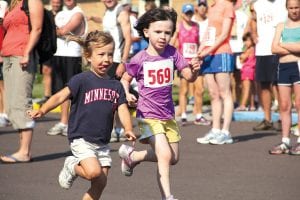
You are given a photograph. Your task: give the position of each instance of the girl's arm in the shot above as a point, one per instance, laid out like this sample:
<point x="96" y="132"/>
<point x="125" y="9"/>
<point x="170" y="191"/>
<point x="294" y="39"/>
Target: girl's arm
<point x="245" y="55"/>
<point x="191" y="72"/>
<point x="126" y="80"/>
<point x="291" y="47"/>
<point x="226" y="29"/>
<point x="125" y="119"/>
<point x="276" y="45"/>
<point x="52" y="103"/>
<point x="36" y="13"/>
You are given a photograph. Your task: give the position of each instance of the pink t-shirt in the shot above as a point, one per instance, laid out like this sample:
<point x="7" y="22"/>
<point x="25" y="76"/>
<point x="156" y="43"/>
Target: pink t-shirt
<point x="17" y="32"/>
<point x="217" y="12"/>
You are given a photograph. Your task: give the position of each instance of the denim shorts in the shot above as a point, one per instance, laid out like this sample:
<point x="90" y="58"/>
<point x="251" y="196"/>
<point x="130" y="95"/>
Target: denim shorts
<point x="219" y="63"/>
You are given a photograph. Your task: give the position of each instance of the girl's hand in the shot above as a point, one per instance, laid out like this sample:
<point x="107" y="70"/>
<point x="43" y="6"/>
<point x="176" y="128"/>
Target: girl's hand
<point x="33" y="114"/>
<point x="132" y="101"/>
<point x="130" y="135"/>
<point x="195" y="64"/>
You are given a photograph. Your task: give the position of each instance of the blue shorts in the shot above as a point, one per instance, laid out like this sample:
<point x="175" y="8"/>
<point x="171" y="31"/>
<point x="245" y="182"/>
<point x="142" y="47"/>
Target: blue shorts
<point x="288" y="73"/>
<point x="217" y="64"/>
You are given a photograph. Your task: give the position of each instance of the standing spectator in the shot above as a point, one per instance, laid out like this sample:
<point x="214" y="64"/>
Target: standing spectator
<point x="286" y="44"/>
<point x="46" y="68"/>
<point x="3" y="116"/>
<point x="187" y="39"/>
<point x="247" y="58"/>
<point x="19" y="67"/>
<point x="217" y="66"/>
<point x="67" y="60"/>
<point x="268" y="14"/>
<point x="116" y="22"/>
<point x="91" y="118"/>
<point x="153" y="69"/>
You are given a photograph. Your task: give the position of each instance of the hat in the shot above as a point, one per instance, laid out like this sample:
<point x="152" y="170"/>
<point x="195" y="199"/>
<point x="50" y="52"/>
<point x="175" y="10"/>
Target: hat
<point x="187" y="8"/>
<point x="202" y="2"/>
<point x="134" y="9"/>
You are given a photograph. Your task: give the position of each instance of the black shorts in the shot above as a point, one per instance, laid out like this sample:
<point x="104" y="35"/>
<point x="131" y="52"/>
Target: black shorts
<point x="1" y="71"/>
<point x="63" y="69"/>
<point x="288" y="73"/>
<point x="266" y="68"/>
<point x="49" y="64"/>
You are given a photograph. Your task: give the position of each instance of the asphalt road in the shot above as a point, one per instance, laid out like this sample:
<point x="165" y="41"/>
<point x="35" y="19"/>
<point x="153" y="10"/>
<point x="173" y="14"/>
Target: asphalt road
<point x="240" y="171"/>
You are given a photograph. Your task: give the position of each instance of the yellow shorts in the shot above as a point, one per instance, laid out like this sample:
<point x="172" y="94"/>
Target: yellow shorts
<point x="151" y="127"/>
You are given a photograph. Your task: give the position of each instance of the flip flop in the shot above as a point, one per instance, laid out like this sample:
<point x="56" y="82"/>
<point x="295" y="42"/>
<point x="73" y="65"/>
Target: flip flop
<point x="14" y="160"/>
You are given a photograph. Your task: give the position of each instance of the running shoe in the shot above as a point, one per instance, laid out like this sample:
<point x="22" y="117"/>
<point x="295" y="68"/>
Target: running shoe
<point x="221" y="138"/>
<point x="67" y="174"/>
<point x="128" y="164"/>
<point x="295" y="150"/>
<point x="58" y="129"/>
<point x="281" y="148"/>
<point x="202" y="121"/>
<point x="208" y="136"/>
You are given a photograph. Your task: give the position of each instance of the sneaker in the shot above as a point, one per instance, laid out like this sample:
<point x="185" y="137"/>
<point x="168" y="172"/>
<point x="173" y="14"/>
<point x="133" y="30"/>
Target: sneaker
<point x="281" y="148"/>
<point x="183" y="121"/>
<point x="117" y="135"/>
<point x="58" y="129"/>
<point x="295" y="150"/>
<point x="171" y="197"/>
<point x="295" y="130"/>
<point x="127" y="163"/>
<point x="221" y="138"/>
<point x="263" y="126"/>
<point x="202" y="121"/>
<point x="208" y="136"/>
<point x="67" y="174"/>
<point x="3" y="122"/>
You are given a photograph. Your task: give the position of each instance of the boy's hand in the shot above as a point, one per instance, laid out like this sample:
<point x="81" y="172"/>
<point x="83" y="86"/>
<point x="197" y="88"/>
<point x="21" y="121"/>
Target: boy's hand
<point x="130" y="135"/>
<point x="33" y="114"/>
<point x="132" y="101"/>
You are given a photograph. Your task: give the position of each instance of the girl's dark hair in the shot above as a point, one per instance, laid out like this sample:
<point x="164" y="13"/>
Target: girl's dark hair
<point x="248" y="35"/>
<point x="93" y="39"/>
<point x="156" y="14"/>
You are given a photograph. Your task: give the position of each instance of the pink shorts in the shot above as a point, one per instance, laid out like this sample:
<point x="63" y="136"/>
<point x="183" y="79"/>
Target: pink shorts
<point x="247" y="74"/>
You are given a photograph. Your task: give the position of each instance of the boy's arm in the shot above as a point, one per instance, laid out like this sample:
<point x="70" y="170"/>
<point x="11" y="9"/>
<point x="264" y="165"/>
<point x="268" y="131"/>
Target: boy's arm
<point x="125" y="119"/>
<point x="52" y="103"/>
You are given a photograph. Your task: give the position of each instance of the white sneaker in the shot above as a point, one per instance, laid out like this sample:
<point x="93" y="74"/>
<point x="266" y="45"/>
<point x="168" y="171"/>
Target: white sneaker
<point x="67" y="174"/>
<point x="208" y="136"/>
<point x="3" y="122"/>
<point x="294" y="130"/>
<point x="127" y="163"/>
<point x="222" y="138"/>
<point x="58" y="129"/>
<point x="171" y="197"/>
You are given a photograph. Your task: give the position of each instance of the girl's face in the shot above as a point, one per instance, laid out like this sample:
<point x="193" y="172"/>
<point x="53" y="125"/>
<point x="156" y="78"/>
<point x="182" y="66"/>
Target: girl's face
<point x="101" y="59"/>
<point x="293" y="7"/>
<point x="159" y="34"/>
<point x="248" y="42"/>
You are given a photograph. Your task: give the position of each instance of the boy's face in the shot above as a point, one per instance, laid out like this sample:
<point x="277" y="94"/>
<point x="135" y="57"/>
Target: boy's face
<point x="159" y="34"/>
<point x="101" y="59"/>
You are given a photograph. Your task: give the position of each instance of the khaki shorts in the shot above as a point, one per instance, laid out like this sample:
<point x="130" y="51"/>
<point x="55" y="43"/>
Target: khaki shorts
<point x="82" y="149"/>
<point x="18" y="85"/>
<point x="151" y="127"/>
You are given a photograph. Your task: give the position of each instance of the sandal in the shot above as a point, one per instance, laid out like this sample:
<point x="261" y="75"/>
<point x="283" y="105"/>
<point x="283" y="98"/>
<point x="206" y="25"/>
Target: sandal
<point x="295" y="150"/>
<point x="281" y="148"/>
<point x="241" y="108"/>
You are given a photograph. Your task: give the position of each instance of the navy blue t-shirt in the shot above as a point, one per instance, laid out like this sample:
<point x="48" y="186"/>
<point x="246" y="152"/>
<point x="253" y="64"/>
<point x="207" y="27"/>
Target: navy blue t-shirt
<point x="94" y="101"/>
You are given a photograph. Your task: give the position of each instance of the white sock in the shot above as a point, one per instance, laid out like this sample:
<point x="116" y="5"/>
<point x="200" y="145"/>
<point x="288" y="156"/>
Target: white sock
<point x="215" y="130"/>
<point x="298" y="140"/>
<point x="286" y="140"/>
<point x="199" y="115"/>
<point x="225" y="131"/>
<point x="183" y="115"/>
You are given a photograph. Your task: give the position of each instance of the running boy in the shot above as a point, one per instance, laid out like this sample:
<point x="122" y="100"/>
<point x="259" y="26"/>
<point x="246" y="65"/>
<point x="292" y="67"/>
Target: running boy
<point x="94" y="100"/>
<point x="153" y="69"/>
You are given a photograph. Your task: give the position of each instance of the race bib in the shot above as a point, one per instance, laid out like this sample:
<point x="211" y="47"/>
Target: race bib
<point x="158" y="73"/>
<point x="210" y="36"/>
<point x="189" y="50"/>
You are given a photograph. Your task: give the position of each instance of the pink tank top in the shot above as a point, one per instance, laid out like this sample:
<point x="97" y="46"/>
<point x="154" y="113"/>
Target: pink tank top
<point x="17" y="32"/>
<point x="188" y="40"/>
<point x="250" y="62"/>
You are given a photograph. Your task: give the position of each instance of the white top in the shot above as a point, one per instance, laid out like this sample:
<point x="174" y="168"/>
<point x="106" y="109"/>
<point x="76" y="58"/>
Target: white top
<point x="3" y="7"/>
<point x="236" y="44"/>
<point x="70" y="48"/>
<point x="202" y="27"/>
<point x="111" y="25"/>
<point x="268" y="16"/>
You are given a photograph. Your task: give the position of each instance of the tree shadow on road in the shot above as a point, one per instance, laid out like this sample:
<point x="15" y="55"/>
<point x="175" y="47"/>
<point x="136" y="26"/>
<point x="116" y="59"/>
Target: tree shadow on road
<point x="253" y="136"/>
<point x="52" y="156"/>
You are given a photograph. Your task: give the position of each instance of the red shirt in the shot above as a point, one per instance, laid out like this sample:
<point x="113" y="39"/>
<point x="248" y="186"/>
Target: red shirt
<point x="17" y="32"/>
